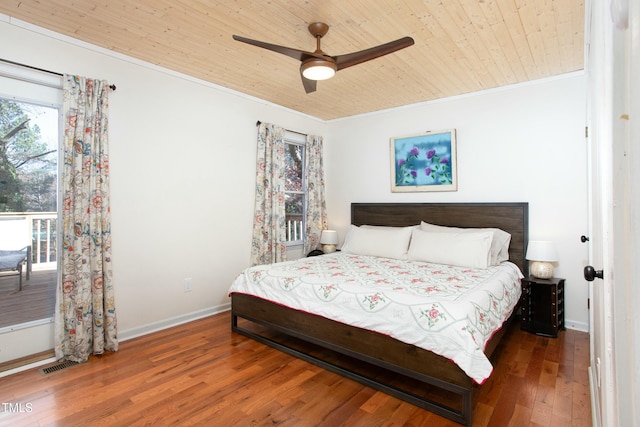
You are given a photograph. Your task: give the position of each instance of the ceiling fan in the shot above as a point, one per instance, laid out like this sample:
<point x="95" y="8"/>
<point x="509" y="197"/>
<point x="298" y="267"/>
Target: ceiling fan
<point x="318" y="65"/>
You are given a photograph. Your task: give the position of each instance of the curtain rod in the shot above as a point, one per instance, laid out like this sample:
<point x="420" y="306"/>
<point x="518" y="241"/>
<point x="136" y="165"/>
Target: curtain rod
<point x="112" y="87"/>
<point x="258" y="123"/>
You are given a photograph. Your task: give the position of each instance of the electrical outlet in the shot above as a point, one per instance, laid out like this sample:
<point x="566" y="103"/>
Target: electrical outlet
<point x="187" y="284"/>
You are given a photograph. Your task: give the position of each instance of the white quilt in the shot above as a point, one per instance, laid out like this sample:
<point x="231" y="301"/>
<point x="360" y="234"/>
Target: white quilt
<point x="451" y="311"/>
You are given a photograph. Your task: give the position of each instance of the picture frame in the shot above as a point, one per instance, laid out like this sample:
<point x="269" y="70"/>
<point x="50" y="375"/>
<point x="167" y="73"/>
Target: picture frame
<point x="424" y="162"/>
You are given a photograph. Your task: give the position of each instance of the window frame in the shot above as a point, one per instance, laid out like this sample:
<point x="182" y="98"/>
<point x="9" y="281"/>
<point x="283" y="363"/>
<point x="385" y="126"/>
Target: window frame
<point x="22" y="84"/>
<point x="299" y="139"/>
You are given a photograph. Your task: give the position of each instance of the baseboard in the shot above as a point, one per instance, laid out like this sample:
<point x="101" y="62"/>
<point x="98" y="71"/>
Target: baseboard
<point x="593" y="392"/>
<point x="27" y="367"/>
<point x="170" y="322"/>
<point x="576" y="326"/>
<point x="27" y="362"/>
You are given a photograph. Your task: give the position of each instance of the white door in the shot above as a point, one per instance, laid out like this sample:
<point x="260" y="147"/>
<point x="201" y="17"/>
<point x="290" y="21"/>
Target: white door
<point x="612" y="208"/>
<point x="600" y="194"/>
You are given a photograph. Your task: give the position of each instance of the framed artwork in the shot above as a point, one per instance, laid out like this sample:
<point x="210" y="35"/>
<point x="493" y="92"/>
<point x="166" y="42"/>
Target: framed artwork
<point x="425" y="162"/>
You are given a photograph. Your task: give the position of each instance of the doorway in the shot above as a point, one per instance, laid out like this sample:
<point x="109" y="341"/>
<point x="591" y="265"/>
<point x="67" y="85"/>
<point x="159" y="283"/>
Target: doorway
<point x="30" y="129"/>
<point x="613" y="61"/>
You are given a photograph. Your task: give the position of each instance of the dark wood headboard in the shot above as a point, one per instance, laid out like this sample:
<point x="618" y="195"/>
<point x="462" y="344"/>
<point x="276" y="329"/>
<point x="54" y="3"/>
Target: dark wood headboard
<point x="510" y="217"/>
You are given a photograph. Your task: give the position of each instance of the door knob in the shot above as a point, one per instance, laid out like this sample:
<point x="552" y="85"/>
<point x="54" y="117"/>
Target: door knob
<point x="591" y="273"/>
<point x="584" y="239"/>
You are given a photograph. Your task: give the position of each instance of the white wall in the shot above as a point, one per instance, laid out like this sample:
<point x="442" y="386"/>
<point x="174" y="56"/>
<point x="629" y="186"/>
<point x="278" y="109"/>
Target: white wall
<point x="518" y="144"/>
<point x="182" y="176"/>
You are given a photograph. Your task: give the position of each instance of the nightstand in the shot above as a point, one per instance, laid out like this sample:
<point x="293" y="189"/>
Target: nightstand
<point x="317" y="252"/>
<point x="542" y="305"/>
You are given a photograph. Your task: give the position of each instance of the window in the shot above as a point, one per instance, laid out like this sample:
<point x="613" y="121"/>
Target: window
<point x="295" y="186"/>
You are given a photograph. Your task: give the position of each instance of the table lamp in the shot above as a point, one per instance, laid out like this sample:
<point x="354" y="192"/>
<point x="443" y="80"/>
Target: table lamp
<point x="541" y="254"/>
<point x="328" y="240"/>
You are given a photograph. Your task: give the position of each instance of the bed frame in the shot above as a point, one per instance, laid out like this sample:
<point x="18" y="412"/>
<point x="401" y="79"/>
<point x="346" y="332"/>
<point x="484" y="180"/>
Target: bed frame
<point x="264" y="321"/>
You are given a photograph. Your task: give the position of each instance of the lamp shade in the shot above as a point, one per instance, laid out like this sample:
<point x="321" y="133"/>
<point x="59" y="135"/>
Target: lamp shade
<point x="541" y="250"/>
<point x="318" y="69"/>
<point x="329" y="237"/>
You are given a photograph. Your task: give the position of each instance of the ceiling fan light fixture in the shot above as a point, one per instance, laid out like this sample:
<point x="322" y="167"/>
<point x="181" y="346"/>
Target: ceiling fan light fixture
<point x="318" y="69"/>
<point x="317" y="65"/>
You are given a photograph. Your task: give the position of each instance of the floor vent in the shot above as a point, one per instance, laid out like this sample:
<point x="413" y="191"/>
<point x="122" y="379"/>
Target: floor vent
<point x="58" y="367"/>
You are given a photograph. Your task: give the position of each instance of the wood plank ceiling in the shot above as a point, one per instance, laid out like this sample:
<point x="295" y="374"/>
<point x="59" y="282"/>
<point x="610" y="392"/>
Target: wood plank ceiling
<point x="461" y="46"/>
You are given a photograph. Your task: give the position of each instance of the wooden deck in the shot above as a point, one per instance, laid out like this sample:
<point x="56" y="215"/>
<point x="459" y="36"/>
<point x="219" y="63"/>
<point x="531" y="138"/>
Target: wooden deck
<point x="35" y="301"/>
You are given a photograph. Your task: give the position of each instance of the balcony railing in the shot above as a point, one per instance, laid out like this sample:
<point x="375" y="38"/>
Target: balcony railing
<point x="294" y="228"/>
<point x="41" y="232"/>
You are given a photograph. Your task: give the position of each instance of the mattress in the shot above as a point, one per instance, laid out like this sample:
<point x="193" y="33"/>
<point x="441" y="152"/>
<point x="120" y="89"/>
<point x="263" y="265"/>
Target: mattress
<point x="451" y="311"/>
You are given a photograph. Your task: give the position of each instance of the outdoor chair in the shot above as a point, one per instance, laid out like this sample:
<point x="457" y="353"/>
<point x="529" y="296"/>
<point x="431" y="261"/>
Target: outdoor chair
<point x="14" y="254"/>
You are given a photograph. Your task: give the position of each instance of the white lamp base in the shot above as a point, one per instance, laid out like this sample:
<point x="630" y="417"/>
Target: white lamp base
<point x="327" y="249"/>
<point x="541" y="269"/>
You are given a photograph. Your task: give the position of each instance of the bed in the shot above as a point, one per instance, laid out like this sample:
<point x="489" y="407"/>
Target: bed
<point x="382" y="360"/>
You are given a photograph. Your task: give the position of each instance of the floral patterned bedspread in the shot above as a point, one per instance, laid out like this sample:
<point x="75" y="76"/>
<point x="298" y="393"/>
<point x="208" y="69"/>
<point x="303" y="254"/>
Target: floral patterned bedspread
<point x="451" y="311"/>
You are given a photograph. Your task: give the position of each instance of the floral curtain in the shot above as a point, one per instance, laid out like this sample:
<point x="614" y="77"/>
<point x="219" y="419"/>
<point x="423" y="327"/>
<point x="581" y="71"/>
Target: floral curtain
<point x="85" y="316"/>
<point x="269" y="233"/>
<point x="316" y="218"/>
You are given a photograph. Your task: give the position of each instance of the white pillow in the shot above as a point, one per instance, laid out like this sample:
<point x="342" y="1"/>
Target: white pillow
<point x="499" y="244"/>
<point x="463" y="249"/>
<point x="387" y="242"/>
<point x="387" y="227"/>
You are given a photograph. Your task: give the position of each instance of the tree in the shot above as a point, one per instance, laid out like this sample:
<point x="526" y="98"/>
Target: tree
<point x="294" y="191"/>
<point x="27" y="166"/>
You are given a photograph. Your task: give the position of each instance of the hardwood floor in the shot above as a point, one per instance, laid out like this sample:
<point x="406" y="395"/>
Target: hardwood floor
<point x="34" y="302"/>
<point x="201" y="373"/>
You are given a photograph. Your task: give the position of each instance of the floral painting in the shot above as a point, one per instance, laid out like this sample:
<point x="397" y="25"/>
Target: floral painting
<point x="425" y="162"/>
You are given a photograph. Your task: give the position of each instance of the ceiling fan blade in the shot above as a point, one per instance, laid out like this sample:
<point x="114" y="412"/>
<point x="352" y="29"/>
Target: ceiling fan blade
<point x="298" y="54"/>
<point x="309" y="85"/>
<point x="350" y="59"/>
